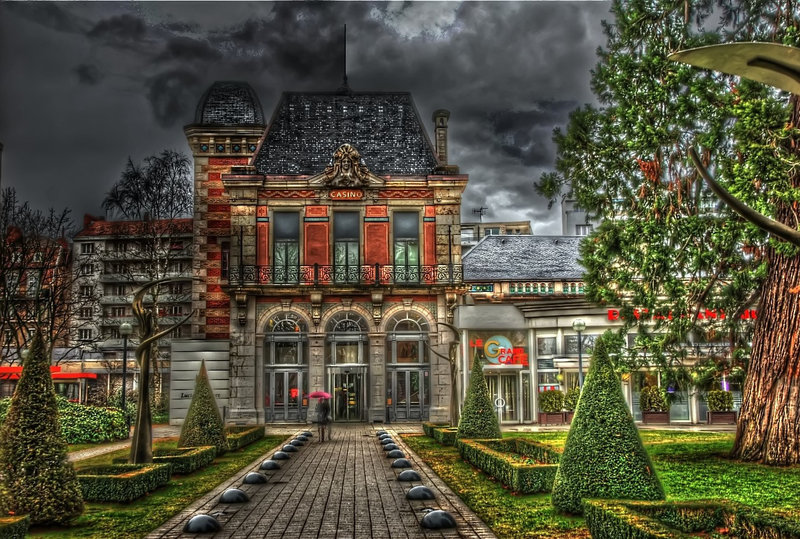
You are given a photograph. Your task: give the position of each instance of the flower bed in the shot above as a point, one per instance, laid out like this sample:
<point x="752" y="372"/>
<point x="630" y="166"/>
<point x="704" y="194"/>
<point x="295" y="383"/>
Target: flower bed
<point x="185" y="460"/>
<point x="623" y="518"/>
<point x="122" y="482"/>
<point x="520" y="465"/>
<point x="14" y="527"/>
<point x="238" y="437"/>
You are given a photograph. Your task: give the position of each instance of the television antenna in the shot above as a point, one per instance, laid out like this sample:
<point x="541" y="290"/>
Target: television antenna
<point x="480" y="211"/>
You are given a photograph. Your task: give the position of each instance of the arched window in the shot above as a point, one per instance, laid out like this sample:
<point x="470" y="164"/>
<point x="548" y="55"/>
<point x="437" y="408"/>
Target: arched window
<point x="285" y="340"/>
<point x="408" y="337"/>
<point x="347" y="335"/>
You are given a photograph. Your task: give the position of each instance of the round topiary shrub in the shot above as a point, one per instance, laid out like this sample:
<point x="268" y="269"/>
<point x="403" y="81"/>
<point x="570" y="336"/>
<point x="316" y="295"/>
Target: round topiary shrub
<point x="719" y="400"/>
<point x="653" y="399"/>
<point x="478" y="417"/>
<point x="551" y="401"/>
<point x="571" y="399"/>
<point x="603" y="456"/>
<point x="203" y="424"/>
<point x="35" y="476"/>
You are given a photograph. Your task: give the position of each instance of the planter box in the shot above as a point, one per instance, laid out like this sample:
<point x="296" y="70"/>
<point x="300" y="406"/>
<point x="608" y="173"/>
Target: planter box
<point x="721" y="418"/>
<point x="551" y="418"/>
<point x="122" y="483"/>
<point x="501" y="459"/>
<point x="655" y="418"/>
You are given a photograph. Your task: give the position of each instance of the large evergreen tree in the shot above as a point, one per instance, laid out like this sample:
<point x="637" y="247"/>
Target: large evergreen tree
<point x="35" y="476"/>
<point x="203" y="424"/>
<point x="669" y="252"/>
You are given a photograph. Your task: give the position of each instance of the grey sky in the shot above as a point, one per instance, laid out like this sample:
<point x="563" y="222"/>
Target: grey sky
<point x="85" y="85"/>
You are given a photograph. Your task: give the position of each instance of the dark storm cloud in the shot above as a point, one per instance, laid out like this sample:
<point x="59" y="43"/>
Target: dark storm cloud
<point x="88" y="74"/>
<point x="526" y="134"/>
<point x="50" y="15"/>
<point x="187" y="49"/>
<point x="119" y="31"/>
<point x="173" y="96"/>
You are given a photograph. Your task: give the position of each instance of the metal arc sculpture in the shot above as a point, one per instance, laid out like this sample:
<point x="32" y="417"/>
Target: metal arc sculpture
<point x="769" y="63"/>
<point x="142" y="442"/>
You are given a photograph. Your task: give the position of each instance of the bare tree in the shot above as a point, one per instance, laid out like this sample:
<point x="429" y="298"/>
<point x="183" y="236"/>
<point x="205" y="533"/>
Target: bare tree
<point x="154" y="202"/>
<point x="35" y="278"/>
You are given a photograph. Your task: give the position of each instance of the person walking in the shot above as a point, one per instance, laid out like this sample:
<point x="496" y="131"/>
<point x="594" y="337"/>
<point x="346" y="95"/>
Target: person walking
<point x="324" y="418"/>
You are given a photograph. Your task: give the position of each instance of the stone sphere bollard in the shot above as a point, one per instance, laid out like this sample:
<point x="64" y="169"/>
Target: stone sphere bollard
<point x="280" y="455"/>
<point x="234" y="495"/>
<point x="409" y="475"/>
<point x="270" y="464"/>
<point x="254" y="478"/>
<point x="202" y="524"/>
<point x="438" y="520"/>
<point x="420" y="493"/>
<point x="395" y="454"/>
<point x="401" y="463"/>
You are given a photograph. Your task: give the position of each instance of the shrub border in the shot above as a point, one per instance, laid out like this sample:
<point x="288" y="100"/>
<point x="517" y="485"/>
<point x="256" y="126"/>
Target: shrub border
<point x="185" y="460"/>
<point x="14" y="527"/>
<point x="130" y="481"/>
<point x="522" y="478"/>
<point x="656" y="520"/>
<point x="238" y="437"/>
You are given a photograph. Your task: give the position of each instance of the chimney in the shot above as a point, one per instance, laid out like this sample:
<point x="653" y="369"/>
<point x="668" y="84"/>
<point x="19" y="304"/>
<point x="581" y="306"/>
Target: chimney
<point x="440" y="118"/>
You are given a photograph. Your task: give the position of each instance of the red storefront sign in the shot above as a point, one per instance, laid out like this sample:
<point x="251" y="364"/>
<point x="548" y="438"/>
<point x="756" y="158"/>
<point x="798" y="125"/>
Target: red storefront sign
<point x="504" y="355"/>
<point x="705" y="314"/>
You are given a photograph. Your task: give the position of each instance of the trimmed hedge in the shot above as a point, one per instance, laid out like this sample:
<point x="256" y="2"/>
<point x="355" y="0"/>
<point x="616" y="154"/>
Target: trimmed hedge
<point x="238" y="437"/>
<point x="604" y="456"/>
<point x="81" y="424"/>
<point x="551" y="401"/>
<point x="427" y="427"/>
<point x="677" y="520"/>
<point x="492" y="456"/>
<point x="445" y="435"/>
<point x="122" y="482"/>
<point x="14" y="527"/>
<point x="185" y="460"/>
<point x="719" y="400"/>
<point x="653" y="399"/>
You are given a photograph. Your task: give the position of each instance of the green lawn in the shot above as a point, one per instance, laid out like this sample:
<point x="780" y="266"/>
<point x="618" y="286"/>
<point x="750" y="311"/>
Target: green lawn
<point x="691" y="465"/>
<point x="137" y="519"/>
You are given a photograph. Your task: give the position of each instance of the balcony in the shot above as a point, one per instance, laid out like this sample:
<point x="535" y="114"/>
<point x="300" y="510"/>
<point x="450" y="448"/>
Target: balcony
<point x="373" y="275"/>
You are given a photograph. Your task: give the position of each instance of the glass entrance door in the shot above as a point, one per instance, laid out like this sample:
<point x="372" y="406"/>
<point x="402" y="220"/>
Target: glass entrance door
<point x="287" y="395"/>
<point x="411" y="390"/>
<point x="504" y="391"/>
<point x="348" y="394"/>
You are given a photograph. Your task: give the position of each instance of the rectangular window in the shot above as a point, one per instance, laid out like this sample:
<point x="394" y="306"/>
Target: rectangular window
<point x="113" y="333"/>
<point x="287" y="247"/>
<point x="493" y="231"/>
<point x="117" y="312"/>
<point x="85" y="312"/>
<point x="406" y="247"/>
<point x="87" y="269"/>
<point x="225" y="259"/>
<point x="175" y="310"/>
<point x="118" y="290"/>
<point x="583" y="230"/>
<point x="84" y="334"/>
<point x="345" y="247"/>
<point x="86" y="291"/>
<point x="33" y="285"/>
<point x="87" y="248"/>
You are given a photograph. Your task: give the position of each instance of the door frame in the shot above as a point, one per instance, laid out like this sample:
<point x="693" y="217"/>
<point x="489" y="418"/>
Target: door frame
<point x="353" y="369"/>
<point x="269" y="384"/>
<point x="508" y="370"/>
<point x="424" y="397"/>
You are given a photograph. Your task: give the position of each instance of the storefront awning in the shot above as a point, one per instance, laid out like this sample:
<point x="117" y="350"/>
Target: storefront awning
<point x="489" y="317"/>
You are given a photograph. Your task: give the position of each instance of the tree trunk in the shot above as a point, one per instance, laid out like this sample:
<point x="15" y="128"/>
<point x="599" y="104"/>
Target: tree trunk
<point x="768" y="430"/>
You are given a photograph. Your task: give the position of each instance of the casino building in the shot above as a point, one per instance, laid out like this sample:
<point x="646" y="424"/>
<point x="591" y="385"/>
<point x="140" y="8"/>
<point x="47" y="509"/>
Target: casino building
<point x="326" y="255"/>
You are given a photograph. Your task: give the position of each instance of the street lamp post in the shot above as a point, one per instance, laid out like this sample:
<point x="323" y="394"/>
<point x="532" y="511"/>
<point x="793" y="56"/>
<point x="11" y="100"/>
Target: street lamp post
<point x="578" y="325"/>
<point x="125" y="329"/>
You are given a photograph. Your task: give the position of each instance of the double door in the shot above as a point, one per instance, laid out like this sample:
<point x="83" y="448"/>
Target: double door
<point x="348" y="391"/>
<point x="409" y="394"/>
<point x="504" y="393"/>
<point x="287" y="395"/>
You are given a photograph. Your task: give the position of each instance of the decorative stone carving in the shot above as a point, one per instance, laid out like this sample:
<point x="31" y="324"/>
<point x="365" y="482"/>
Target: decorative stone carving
<point x="377" y="307"/>
<point x="346" y="170"/>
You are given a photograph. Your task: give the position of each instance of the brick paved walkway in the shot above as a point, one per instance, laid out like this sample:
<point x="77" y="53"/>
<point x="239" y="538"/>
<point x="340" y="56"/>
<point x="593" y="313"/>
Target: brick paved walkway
<point x="343" y="488"/>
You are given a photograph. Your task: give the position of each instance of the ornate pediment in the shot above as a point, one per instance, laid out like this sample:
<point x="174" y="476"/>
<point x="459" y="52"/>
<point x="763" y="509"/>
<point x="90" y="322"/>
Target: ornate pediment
<point x="346" y="170"/>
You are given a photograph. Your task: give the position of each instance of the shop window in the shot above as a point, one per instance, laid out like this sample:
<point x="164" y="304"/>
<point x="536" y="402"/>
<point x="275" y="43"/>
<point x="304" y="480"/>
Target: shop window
<point x="347" y="335"/>
<point x="545" y="346"/>
<point x="287" y="247"/>
<point x="286" y="340"/>
<point x="407" y="336"/>
<point x="406" y="247"/>
<point x="346" y="247"/>
<point x="571" y="344"/>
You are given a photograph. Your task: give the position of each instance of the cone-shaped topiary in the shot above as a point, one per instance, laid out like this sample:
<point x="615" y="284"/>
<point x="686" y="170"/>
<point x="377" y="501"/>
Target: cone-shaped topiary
<point x="203" y="424"/>
<point x="603" y="456"/>
<point x="35" y="476"/>
<point x="478" y="418"/>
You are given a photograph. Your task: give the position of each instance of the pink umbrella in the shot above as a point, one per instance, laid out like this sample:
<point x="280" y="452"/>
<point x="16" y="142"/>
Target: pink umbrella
<point x="319" y="395"/>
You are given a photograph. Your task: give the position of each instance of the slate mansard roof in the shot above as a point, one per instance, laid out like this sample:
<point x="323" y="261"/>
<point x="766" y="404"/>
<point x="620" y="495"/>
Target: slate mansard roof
<point x="229" y="103"/>
<point x="524" y="258"/>
<point x="307" y="128"/>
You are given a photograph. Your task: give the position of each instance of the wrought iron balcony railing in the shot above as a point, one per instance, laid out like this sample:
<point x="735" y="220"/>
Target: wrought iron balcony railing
<point x="376" y="274"/>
